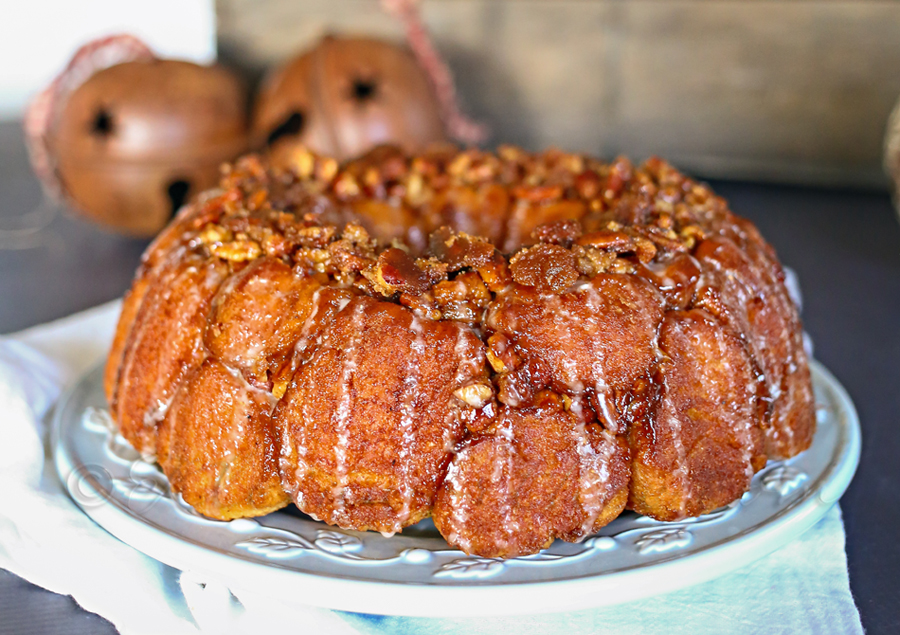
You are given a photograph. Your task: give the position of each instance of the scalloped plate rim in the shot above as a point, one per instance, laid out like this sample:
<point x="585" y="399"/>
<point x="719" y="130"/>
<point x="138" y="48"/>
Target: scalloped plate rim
<point x="486" y="598"/>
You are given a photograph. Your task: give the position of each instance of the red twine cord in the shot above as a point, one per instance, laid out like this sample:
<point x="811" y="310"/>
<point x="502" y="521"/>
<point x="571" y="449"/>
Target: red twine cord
<point x="458" y="125"/>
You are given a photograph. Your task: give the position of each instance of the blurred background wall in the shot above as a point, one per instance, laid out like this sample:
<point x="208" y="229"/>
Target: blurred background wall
<point x="37" y="37"/>
<point x="789" y="90"/>
<point x="793" y="90"/>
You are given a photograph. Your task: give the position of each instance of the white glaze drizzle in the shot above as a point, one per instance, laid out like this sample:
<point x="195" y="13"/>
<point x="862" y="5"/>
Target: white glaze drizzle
<point x="342" y="412"/>
<point x="458" y="513"/>
<point x="407" y="417"/>
<point x="249" y="357"/>
<point x="139" y="332"/>
<point x="510" y="525"/>
<point x="779" y="429"/>
<point x="295" y="442"/>
<point x="158" y="412"/>
<point x="563" y="331"/>
<point x="593" y="469"/>
<point x="745" y="423"/>
<point x="241" y="412"/>
<point x="790" y="367"/>
<point x="308" y="323"/>
<point x="289" y="443"/>
<point x="298" y="441"/>
<point x="460" y="352"/>
<point x="245" y="357"/>
<point x="594" y="472"/>
<point x="163" y="384"/>
<point x="240" y="408"/>
<point x="666" y="419"/>
<point x="601" y="387"/>
<point x="250" y="388"/>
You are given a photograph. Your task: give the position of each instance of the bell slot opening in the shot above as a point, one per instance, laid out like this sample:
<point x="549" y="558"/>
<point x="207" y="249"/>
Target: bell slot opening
<point x="178" y="192"/>
<point x="364" y="90"/>
<point x="291" y="126"/>
<point x="102" y="125"/>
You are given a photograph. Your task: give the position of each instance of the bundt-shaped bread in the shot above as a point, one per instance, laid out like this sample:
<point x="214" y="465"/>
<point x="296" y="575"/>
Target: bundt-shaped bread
<point x="517" y="345"/>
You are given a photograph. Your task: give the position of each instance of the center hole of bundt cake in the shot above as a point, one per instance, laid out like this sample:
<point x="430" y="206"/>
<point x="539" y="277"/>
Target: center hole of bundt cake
<point x="178" y="191"/>
<point x="291" y="126"/>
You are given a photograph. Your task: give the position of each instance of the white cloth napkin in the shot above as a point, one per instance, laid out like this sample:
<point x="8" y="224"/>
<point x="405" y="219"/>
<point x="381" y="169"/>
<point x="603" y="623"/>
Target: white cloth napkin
<point x="45" y="539"/>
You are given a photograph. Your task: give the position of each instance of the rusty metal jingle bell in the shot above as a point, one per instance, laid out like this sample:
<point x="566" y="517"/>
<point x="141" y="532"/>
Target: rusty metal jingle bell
<point x="345" y="96"/>
<point x="135" y="140"/>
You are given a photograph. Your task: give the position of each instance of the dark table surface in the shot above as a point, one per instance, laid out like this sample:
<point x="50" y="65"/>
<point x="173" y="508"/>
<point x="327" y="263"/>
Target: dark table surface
<point x="845" y="246"/>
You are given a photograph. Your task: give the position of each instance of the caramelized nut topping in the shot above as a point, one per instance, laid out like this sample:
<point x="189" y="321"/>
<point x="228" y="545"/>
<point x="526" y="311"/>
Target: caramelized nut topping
<point x="590" y="261"/>
<point x="460" y="250"/>
<point x="617" y="241"/>
<point x="548" y="268"/>
<point x="561" y="232"/>
<point x="237" y="251"/>
<point x="397" y="271"/>
<point x="475" y="395"/>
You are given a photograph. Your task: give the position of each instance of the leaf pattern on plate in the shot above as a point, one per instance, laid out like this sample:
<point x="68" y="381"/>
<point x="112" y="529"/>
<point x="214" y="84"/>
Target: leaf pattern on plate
<point x="337" y="542"/>
<point x="663" y="540"/>
<point x="783" y="479"/>
<point x="470" y="568"/>
<point x="276" y="546"/>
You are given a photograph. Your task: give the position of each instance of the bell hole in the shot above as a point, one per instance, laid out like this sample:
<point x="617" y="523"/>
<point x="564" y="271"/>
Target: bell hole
<point x="364" y="90"/>
<point x="178" y="191"/>
<point x="291" y="126"/>
<point x="103" y="123"/>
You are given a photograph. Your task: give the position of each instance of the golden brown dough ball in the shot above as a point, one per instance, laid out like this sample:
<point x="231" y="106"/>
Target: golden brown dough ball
<point x="369" y="422"/>
<point x="217" y="446"/>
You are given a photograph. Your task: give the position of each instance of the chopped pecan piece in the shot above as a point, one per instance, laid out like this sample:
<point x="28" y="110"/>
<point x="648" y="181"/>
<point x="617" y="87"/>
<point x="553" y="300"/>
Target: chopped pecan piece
<point x="590" y="261"/>
<point x="495" y="273"/>
<point x="237" y="250"/>
<point x="548" y="268"/>
<point x="355" y="251"/>
<point x="538" y="193"/>
<point x="475" y="395"/>
<point x="276" y="245"/>
<point x="644" y="249"/>
<point x="620" y="265"/>
<point x="520" y="387"/>
<point x="561" y="232"/>
<point x="501" y="354"/>
<point x="617" y="241"/>
<point x="396" y="271"/>
<point x="212" y="234"/>
<point x="423" y="305"/>
<point x="463" y="298"/>
<point x="460" y="250"/>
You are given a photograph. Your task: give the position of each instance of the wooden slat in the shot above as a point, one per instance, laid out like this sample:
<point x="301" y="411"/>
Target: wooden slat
<point x="772" y="90"/>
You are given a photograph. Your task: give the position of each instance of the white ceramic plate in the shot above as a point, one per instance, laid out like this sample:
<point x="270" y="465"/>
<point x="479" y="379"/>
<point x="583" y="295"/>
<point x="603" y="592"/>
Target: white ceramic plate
<point x="291" y="556"/>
